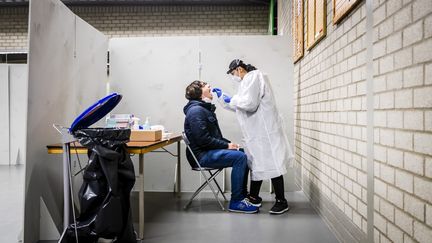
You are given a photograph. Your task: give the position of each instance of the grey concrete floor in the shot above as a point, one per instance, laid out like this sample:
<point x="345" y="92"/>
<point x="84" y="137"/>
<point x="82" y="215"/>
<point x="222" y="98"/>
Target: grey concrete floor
<point x="11" y="203"/>
<point x="167" y="221"/>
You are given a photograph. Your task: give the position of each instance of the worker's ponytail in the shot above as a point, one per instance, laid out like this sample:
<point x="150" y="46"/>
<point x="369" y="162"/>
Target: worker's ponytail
<point x="249" y="68"/>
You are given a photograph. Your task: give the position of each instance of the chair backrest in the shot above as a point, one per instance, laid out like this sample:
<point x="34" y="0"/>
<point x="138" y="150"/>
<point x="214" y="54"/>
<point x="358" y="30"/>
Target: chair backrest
<point x="185" y="139"/>
<point x="194" y="164"/>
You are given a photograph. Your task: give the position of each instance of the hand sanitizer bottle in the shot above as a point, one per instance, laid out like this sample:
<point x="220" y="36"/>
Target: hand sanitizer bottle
<point x="146" y="125"/>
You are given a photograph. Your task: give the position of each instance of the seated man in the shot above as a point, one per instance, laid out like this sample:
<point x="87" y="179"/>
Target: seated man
<point x="210" y="148"/>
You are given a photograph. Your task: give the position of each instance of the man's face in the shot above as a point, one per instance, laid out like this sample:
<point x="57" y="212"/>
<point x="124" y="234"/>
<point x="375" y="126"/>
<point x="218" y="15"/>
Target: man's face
<point x="206" y="92"/>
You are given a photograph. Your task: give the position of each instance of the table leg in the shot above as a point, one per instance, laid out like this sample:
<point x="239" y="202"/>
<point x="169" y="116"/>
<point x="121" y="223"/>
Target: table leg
<point x="141" y="196"/>
<point x="66" y="193"/>
<point x="178" y="182"/>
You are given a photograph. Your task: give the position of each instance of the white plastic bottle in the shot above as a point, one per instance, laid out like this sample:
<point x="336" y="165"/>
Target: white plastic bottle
<point x="146" y="125"/>
<point x="135" y="123"/>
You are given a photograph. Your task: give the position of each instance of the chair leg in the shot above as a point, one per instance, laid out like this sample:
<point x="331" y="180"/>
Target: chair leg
<point x="214" y="175"/>
<point x="217" y="184"/>
<point x="213" y="190"/>
<point x="195" y="194"/>
<point x="223" y="194"/>
<point x="212" y="178"/>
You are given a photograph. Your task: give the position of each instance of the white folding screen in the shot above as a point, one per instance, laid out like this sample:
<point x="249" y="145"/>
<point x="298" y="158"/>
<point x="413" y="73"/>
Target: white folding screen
<point x="4" y="115"/>
<point x="152" y="74"/>
<point x="270" y="54"/>
<point x="13" y="109"/>
<point x="18" y="112"/>
<point x="67" y="73"/>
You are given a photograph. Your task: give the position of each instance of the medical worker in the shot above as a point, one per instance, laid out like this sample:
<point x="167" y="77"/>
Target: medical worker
<point x="265" y="142"/>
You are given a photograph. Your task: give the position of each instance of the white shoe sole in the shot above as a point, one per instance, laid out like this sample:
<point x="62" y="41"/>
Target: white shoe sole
<point x="253" y="204"/>
<point x="256" y="205"/>
<point x="239" y="211"/>
<point x="280" y="212"/>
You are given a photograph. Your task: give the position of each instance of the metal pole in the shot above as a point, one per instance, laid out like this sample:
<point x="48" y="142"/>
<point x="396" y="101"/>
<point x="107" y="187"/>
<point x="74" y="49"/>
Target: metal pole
<point x="178" y="176"/>
<point x="71" y="194"/>
<point x="66" y="194"/>
<point x="271" y="17"/>
<point x="141" y="196"/>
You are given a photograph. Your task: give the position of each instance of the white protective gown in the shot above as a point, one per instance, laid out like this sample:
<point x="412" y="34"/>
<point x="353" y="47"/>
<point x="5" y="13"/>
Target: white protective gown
<point x="264" y="138"/>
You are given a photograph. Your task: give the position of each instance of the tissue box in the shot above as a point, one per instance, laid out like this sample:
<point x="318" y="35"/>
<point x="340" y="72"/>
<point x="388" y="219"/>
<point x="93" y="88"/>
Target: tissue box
<point x="145" y="135"/>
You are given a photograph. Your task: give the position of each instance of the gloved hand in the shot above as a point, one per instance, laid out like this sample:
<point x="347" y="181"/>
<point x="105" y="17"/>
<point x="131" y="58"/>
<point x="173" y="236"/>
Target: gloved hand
<point x="226" y="98"/>
<point x="217" y="91"/>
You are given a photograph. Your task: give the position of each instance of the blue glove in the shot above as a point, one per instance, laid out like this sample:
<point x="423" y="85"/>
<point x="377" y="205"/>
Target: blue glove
<point x="217" y="91"/>
<point x="226" y="98"/>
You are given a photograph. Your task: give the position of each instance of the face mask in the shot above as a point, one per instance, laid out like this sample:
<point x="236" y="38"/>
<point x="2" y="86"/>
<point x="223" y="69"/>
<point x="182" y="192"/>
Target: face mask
<point x="207" y="100"/>
<point x="236" y="78"/>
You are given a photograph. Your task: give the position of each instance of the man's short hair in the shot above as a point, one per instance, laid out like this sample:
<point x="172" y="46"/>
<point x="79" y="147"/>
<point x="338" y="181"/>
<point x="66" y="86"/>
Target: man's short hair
<point x="194" y="91"/>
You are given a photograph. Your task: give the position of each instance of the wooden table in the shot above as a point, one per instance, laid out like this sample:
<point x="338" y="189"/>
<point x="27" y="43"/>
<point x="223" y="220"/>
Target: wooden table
<point x="139" y="148"/>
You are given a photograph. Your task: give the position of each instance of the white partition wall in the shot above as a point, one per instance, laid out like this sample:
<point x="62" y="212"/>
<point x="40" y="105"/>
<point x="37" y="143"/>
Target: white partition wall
<point x="13" y="110"/>
<point x="152" y="74"/>
<point x="4" y="113"/>
<point x="67" y="73"/>
<point x="270" y="54"/>
<point x="18" y="112"/>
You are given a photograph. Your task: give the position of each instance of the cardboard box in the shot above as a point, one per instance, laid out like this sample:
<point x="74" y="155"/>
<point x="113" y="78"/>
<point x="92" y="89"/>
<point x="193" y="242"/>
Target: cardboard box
<point x="145" y="135"/>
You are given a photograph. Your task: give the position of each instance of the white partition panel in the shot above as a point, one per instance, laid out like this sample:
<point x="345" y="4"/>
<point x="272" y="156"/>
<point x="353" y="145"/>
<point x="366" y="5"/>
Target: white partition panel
<point x="4" y="114"/>
<point x="152" y="74"/>
<point x="90" y="74"/>
<point x="67" y="73"/>
<point x="18" y="112"/>
<point x="270" y="54"/>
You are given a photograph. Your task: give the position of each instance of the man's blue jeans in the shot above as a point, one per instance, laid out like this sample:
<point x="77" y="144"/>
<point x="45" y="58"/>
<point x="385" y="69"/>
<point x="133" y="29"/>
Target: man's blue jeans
<point x="223" y="158"/>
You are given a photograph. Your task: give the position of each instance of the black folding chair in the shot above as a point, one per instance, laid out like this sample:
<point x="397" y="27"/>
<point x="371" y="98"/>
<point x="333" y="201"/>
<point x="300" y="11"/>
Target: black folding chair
<point x="213" y="172"/>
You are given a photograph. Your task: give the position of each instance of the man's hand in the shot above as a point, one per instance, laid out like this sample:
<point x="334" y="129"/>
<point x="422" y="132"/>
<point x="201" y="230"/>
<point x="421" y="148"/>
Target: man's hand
<point x="233" y="146"/>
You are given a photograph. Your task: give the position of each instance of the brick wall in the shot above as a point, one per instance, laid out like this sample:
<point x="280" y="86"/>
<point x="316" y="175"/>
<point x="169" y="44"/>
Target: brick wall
<point x="117" y="21"/>
<point x="13" y="28"/>
<point x="331" y="121"/>
<point x="330" y="117"/>
<point x="403" y="120"/>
